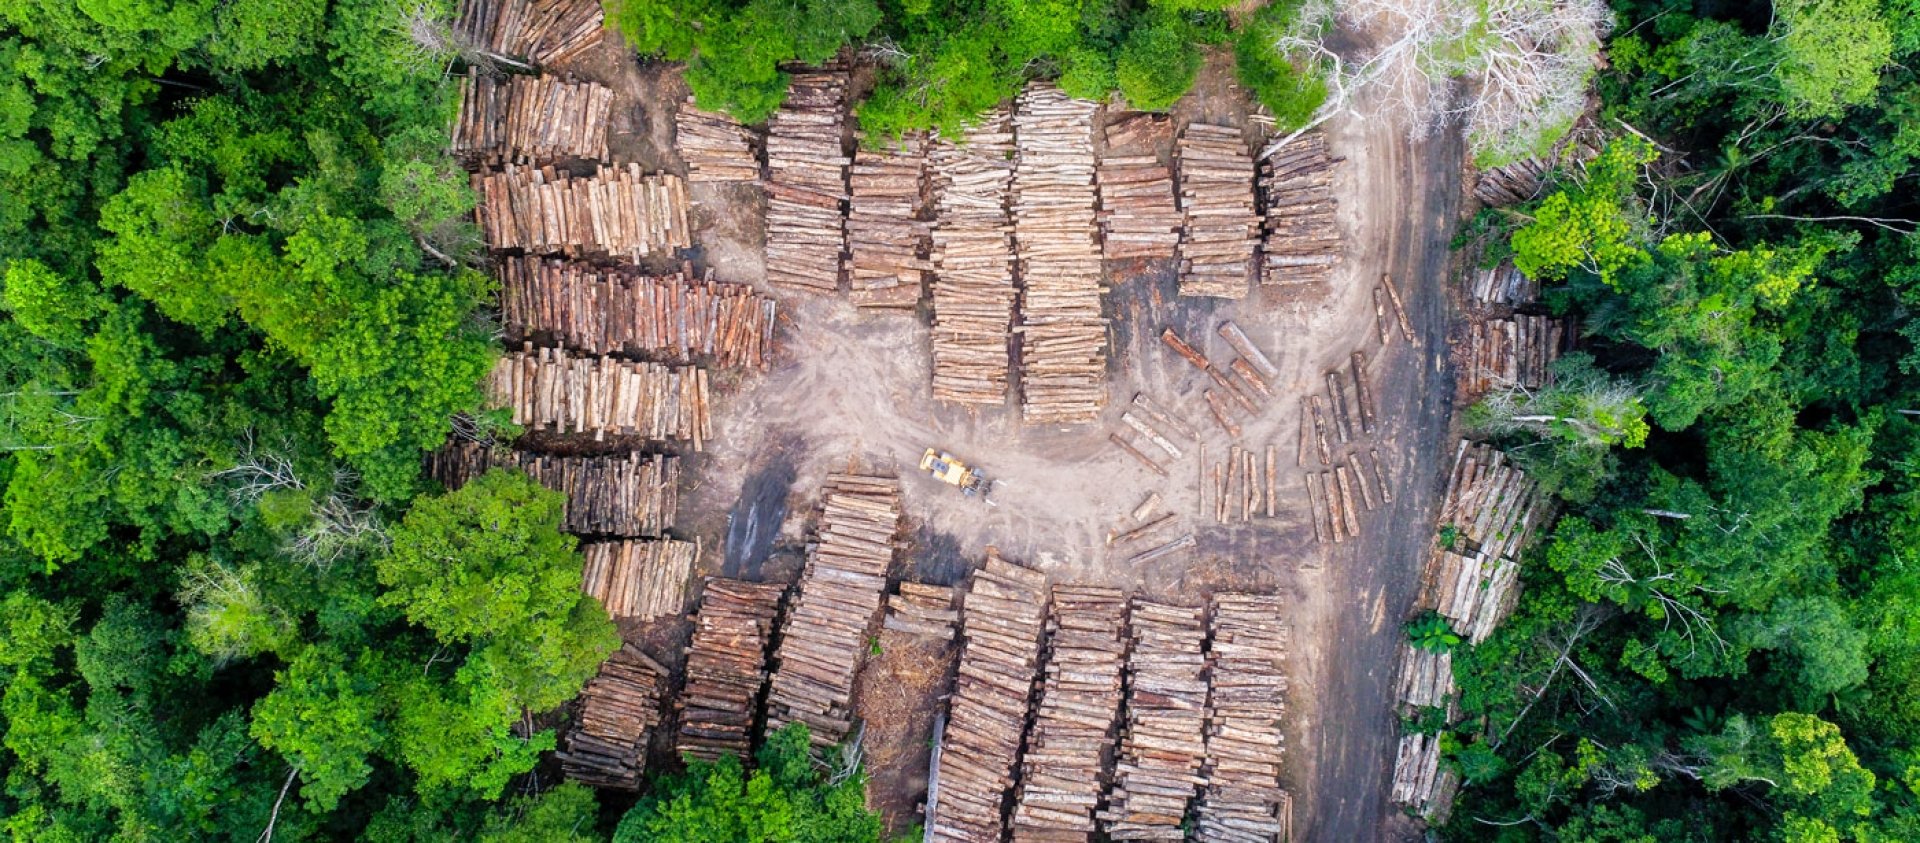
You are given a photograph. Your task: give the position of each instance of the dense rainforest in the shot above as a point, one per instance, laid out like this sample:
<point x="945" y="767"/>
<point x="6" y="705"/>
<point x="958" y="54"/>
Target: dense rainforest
<point x="242" y="296"/>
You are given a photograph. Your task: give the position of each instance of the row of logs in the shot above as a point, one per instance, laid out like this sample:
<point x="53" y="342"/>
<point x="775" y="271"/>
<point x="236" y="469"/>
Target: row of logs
<point x="630" y="496"/>
<point x="807" y="184"/>
<point x="726" y="667"/>
<point x="886" y="239"/>
<point x="1162" y="745"/>
<point x="607" y="744"/>
<point x="1242" y="801"/>
<point x="618" y="212"/>
<point x="1216" y="199"/>
<point x="824" y="636"/>
<point x="1302" y="242"/>
<point x="1001" y="625"/>
<point x="1061" y="776"/>
<point x="530" y="119"/>
<point x="639" y="580"/>
<point x="1063" y="336"/>
<point x="714" y="145"/>
<point x="1512" y="352"/>
<point x="1358" y="482"/>
<point x="1138" y="215"/>
<point x="973" y="290"/>
<point x="667" y="318"/>
<point x="540" y="32"/>
<point x="547" y="389"/>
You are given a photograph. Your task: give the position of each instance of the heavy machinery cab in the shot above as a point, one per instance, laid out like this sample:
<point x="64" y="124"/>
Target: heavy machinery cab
<point x="950" y="470"/>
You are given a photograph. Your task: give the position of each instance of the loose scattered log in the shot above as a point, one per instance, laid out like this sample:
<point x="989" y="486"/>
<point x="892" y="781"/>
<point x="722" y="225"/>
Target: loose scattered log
<point x="607" y="745"/>
<point x="530" y="120"/>
<point x="1004" y="610"/>
<point x="1303" y="242"/>
<point x="807" y="184"/>
<point x="726" y="667"/>
<point x="886" y="239"/>
<point x="1248" y="351"/>
<point x="1399" y="309"/>
<point x="1362" y="394"/>
<point x="666" y="318"/>
<point x="714" y="145"/>
<point x="631" y="495"/>
<point x="1246" y="703"/>
<point x="1217" y="238"/>
<point x="1519" y="351"/>
<point x="524" y="33"/>
<point x="824" y="638"/>
<point x="1067" y="746"/>
<point x="619" y="212"/>
<point x="1137" y="454"/>
<point x="1139" y="217"/>
<point x="1063" y="337"/>
<point x="639" y="580"/>
<point x="973" y="290"/>
<point x="548" y="390"/>
<point x="922" y="610"/>
<point x="1161" y="747"/>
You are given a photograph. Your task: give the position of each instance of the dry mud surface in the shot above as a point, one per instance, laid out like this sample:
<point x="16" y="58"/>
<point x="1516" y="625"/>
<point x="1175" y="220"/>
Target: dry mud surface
<point x="852" y="388"/>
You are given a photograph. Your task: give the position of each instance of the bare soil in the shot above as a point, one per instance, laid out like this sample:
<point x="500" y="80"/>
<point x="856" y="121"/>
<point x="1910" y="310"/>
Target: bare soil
<point x="852" y="389"/>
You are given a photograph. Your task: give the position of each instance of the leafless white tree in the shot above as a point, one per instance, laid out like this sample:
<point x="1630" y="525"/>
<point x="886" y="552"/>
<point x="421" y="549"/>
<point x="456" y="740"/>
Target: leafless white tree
<point x="1524" y="65"/>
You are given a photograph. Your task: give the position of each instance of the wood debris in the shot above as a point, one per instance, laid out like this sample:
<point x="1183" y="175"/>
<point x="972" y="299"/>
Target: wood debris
<point x="714" y="145"/>
<point x="1247" y="691"/>
<point x="886" y="239"/>
<point x="807" y="184"/>
<point x="823" y="640"/>
<point x="1161" y="747"/>
<point x="1138" y="214"/>
<point x="973" y="289"/>
<point x="1063" y="337"/>
<point x="1519" y="351"/>
<point x="1216" y="199"/>
<point x="629" y="496"/>
<point x="524" y="33"/>
<point x="549" y="390"/>
<point x="666" y="318"/>
<point x="1004" y="610"/>
<point x="619" y="212"/>
<point x="639" y="580"/>
<point x="726" y="667"/>
<point x="607" y="743"/>
<point x="1302" y="242"/>
<point x="1061" y="771"/>
<point x="530" y="120"/>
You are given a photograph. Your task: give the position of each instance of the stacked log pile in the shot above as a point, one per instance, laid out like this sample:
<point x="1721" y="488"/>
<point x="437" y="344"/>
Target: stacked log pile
<point x="1474" y="592"/>
<point x="639" y="580"/>
<point x="1063" y="337"/>
<point x="1303" y="241"/>
<point x="1492" y="505"/>
<point x="668" y="318"/>
<point x="825" y="632"/>
<point x="549" y="390"/>
<point x="618" y="212"/>
<point x="1419" y="782"/>
<point x="1502" y="285"/>
<point x="1520" y="181"/>
<point x="542" y="32"/>
<point x="886" y="239"/>
<point x="530" y="119"/>
<point x="1426" y="678"/>
<point x="973" y="289"/>
<point x="607" y="744"/>
<point x="1138" y="214"/>
<point x="1246" y="673"/>
<point x="631" y="495"/>
<point x="1161" y="748"/>
<point x="1513" y="352"/>
<point x="1061" y="770"/>
<point x="922" y="610"/>
<point x="1216" y="202"/>
<point x="807" y="184"/>
<point x="714" y="145"/>
<point x="1004" y="611"/>
<point x="726" y="667"/>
